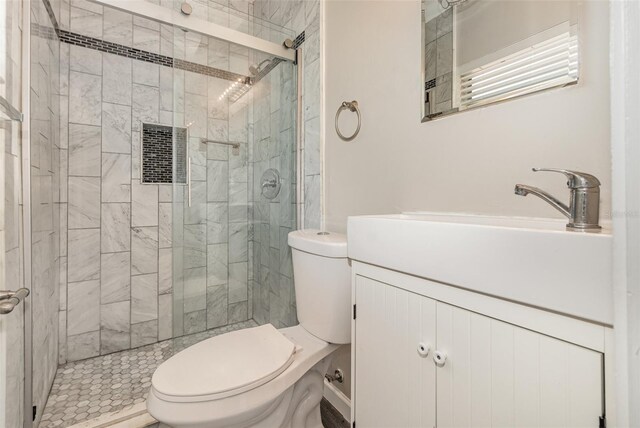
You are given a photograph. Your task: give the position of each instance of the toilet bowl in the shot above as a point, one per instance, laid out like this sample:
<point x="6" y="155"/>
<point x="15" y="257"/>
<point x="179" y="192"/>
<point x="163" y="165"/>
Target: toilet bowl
<point x="262" y="376"/>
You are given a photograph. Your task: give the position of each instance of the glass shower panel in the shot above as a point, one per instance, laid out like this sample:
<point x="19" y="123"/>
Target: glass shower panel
<point x="12" y="369"/>
<point x="12" y="328"/>
<point x="273" y="216"/>
<point x="237" y="109"/>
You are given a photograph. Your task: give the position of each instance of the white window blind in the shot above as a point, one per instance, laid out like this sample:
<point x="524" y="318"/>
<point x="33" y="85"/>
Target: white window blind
<point x="553" y="62"/>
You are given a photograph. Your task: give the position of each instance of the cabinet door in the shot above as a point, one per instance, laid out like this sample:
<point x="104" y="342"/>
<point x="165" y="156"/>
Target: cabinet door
<point x="394" y="384"/>
<point x="500" y="375"/>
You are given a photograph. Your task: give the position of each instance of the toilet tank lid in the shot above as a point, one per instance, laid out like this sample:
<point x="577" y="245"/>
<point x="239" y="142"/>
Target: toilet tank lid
<point x="322" y="243"/>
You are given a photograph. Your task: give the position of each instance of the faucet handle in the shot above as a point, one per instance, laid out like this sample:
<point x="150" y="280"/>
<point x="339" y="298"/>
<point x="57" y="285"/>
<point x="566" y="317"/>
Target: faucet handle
<point x="577" y="180"/>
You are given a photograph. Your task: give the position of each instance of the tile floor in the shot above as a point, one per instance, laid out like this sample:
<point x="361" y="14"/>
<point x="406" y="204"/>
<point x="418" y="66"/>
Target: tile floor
<point x="86" y="389"/>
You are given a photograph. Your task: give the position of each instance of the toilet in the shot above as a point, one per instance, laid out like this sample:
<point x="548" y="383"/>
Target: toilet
<point x="263" y="376"/>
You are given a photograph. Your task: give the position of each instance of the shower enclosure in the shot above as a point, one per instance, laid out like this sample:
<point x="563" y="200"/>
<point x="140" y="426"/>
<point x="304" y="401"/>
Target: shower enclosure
<point x="29" y="209"/>
<point x="234" y="198"/>
<point x="161" y="187"/>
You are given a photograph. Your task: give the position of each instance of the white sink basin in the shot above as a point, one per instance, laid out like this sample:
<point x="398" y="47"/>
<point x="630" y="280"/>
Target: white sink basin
<point x="528" y="260"/>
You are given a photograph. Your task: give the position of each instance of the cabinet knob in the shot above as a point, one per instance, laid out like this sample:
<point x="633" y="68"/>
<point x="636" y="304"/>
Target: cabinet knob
<point x="423" y="349"/>
<point x="439" y="358"/>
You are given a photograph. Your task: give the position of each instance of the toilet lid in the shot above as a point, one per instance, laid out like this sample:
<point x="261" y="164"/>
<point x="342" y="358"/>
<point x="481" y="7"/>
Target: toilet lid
<point x="225" y="365"/>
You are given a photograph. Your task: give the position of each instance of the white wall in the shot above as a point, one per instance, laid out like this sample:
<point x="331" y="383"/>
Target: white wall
<point x="625" y="132"/>
<point x="468" y="162"/>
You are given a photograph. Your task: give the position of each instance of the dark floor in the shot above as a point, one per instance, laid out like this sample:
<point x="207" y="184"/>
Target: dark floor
<point x="331" y="418"/>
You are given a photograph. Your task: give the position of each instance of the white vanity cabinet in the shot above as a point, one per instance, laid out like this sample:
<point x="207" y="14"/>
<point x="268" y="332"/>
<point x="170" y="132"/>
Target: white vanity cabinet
<point x="430" y="355"/>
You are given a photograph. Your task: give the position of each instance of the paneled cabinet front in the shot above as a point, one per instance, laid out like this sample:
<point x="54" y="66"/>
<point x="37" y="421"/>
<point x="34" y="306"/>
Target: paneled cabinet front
<point x="424" y="363"/>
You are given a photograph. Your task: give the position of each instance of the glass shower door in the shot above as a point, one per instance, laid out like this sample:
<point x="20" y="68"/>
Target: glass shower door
<point x="210" y="218"/>
<point x="273" y="210"/>
<point x="237" y="109"/>
<point x="11" y="323"/>
<point x="12" y="351"/>
<point x="210" y="215"/>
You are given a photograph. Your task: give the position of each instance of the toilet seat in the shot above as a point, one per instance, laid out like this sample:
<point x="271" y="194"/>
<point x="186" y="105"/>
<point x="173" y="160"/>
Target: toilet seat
<point x="225" y="365"/>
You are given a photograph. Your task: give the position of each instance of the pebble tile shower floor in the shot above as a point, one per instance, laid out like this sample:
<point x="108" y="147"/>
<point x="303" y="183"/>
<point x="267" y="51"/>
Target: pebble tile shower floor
<point x="84" y="390"/>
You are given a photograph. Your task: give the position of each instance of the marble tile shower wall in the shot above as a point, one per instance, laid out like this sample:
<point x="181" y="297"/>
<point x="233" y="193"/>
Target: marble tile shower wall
<point x="46" y="209"/>
<point x="118" y="266"/>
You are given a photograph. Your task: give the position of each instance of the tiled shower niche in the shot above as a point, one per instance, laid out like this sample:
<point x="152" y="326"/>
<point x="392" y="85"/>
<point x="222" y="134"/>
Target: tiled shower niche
<point x="158" y="158"/>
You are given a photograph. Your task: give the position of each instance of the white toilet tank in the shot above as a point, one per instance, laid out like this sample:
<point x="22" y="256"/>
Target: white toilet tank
<point x="322" y="279"/>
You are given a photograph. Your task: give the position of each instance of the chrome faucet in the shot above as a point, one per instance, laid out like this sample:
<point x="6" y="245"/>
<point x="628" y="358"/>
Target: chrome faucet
<point x="584" y="207"/>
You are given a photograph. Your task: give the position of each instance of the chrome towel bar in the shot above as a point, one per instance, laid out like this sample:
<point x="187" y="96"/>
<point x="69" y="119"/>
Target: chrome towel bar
<point x="224" y="143"/>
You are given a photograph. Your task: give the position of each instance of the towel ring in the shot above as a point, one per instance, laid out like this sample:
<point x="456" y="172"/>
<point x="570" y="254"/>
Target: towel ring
<point x="353" y="107"/>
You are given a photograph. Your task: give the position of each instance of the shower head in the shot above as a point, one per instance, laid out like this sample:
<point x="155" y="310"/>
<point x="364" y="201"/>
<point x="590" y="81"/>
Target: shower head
<point x="256" y="69"/>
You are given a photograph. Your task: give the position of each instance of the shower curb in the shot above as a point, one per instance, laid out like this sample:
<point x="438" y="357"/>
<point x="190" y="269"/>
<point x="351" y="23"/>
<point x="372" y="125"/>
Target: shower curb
<point x="132" y="417"/>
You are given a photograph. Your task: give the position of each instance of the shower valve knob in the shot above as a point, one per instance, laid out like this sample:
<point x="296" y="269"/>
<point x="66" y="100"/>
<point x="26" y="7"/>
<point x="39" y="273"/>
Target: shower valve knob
<point x="271" y="183"/>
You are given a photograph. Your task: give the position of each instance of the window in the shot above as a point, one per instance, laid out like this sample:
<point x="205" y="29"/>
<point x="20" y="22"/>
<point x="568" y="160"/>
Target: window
<point x="553" y="62"/>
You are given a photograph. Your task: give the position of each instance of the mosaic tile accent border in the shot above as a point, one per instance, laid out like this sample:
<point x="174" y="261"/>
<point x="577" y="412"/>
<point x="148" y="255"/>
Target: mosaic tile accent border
<point x="157" y="154"/>
<point x="266" y="70"/>
<point x="43" y="32"/>
<point x="113" y="48"/>
<point x="210" y="71"/>
<point x="430" y="84"/>
<point x="141" y="55"/>
<point x="299" y="40"/>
